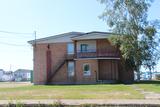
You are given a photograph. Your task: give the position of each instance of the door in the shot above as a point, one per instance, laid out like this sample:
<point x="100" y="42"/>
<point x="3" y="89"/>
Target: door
<point x="105" y="71"/>
<point x="108" y="69"/>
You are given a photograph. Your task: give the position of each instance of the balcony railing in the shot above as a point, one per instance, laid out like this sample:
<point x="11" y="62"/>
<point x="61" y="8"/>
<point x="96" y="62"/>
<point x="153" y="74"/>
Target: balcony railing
<point x="98" y="53"/>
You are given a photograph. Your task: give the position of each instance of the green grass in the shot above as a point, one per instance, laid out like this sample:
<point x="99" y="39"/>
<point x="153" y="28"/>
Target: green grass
<point x="152" y="86"/>
<point x="118" y="91"/>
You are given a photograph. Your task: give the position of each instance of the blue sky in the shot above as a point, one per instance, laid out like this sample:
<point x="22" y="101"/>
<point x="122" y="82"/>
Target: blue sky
<point x="46" y="17"/>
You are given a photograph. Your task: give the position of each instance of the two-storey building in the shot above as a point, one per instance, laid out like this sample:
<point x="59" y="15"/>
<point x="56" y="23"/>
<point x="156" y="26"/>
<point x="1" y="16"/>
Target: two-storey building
<point x="78" y="58"/>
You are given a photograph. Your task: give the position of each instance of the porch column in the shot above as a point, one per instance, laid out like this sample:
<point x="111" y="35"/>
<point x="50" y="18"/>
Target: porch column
<point x="75" y="49"/>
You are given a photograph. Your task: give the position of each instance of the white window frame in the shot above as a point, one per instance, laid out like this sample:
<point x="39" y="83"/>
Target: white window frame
<point x="87" y="73"/>
<point x="68" y="48"/>
<point x="85" y="49"/>
<point x="71" y="73"/>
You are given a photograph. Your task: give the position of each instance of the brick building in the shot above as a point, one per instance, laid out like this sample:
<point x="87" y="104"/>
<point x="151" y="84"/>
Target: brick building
<point x="77" y="58"/>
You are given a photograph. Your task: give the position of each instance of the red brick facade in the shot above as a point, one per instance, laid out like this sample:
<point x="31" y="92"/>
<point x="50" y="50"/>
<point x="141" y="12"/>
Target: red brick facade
<point x="40" y="64"/>
<point x="58" y="55"/>
<point x="58" y="51"/>
<point x="80" y="78"/>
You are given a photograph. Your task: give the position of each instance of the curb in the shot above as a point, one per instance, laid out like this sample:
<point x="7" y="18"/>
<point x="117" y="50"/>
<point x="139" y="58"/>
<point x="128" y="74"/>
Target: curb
<point x="83" y="103"/>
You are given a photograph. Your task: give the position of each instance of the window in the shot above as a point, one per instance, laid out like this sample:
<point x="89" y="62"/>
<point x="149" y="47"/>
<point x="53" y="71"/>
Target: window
<point x="70" y="48"/>
<point x="70" y="68"/>
<point x="86" y="70"/>
<point x="84" y="47"/>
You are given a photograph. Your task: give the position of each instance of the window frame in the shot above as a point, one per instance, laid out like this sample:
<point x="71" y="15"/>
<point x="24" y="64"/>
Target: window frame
<point x="85" y="49"/>
<point x="89" y="71"/>
<point x="68" y="49"/>
<point x="69" y="73"/>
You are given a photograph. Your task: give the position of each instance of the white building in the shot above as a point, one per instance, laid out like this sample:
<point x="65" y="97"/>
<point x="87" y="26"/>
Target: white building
<point x="22" y="75"/>
<point x="1" y="74"/>
<point x="7" y="76"/>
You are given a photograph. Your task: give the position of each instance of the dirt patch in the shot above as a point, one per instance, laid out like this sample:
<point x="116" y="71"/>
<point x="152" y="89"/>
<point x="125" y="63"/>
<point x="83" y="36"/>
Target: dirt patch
<point x="14" y="84"/>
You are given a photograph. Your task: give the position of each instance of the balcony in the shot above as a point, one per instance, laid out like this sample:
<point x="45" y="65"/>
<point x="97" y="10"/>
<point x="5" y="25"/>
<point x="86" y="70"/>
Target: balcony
<point x="100" y="53"/>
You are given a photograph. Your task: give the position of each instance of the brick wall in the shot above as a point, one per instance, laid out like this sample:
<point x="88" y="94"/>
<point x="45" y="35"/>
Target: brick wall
<point x="80" y="78"/>
<point x="58" y="51"/>
<point x="39" y="73"/>
<point x="104" y="47"/>
<point x="125" y="76"/>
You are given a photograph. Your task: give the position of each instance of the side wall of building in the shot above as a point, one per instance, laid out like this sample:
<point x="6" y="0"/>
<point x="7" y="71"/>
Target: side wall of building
<point x="58" y="52"/>
<point x="39" y="73"/>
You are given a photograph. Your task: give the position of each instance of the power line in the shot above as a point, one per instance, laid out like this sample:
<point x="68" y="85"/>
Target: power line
<point x="10" y="44"/>
<point x="16" y="37"/>
<point x="25" y="35"/>
<point x="16" y="32"/>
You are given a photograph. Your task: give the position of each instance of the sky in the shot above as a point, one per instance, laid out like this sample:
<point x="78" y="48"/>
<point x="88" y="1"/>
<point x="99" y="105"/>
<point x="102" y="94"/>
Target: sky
<point x="47" y="18"/>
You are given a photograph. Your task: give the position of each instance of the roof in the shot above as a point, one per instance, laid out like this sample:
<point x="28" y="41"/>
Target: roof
<point x="70" y="36"/>
<point x="93" y="35"/>
<point x="65" y="37"/>
<point x="1" y="70"/>
<point x="23" y="70"/>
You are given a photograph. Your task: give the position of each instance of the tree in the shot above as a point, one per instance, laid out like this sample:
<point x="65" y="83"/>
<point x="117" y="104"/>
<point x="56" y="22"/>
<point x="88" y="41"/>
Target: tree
<point x="137" y="36"/>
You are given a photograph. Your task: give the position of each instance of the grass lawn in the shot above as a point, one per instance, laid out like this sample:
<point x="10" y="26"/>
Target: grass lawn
<point x="153" y="86"/>
<point x="16" y="91"/>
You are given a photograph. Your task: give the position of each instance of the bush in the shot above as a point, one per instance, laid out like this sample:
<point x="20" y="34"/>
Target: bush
<point x="158" y="77"/>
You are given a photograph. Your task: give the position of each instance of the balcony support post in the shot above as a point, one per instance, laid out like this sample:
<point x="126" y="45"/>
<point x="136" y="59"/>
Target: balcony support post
<point x="75" y="49"/>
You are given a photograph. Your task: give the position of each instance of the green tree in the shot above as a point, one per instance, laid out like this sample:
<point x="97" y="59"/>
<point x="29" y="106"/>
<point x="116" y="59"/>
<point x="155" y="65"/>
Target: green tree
<point x="137" y="36"/>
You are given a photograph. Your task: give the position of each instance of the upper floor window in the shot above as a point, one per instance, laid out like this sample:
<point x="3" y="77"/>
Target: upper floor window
<point x="70" y="48"/>
<point x="84" y="47"/>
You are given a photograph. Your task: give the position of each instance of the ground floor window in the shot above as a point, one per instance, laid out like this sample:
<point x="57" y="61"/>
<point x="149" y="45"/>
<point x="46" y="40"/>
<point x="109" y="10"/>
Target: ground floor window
<point x="70" y="68"/>
<point x="86" y="69"/>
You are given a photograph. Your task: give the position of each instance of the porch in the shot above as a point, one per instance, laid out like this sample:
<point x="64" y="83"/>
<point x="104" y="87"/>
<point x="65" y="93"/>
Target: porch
<point x="101" y="48"/>
<point x="107" y="71"/>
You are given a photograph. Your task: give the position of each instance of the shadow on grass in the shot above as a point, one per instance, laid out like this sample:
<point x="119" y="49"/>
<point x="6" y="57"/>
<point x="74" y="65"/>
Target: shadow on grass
<point x="117" y="83"/>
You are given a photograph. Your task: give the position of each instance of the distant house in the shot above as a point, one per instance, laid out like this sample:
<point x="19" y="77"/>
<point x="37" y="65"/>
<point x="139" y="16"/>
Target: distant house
<point x="78" y="58"/>
<point x="149" y="75"/>
<point x="22" y="75"/>
<point x="1" y="74"/>
<point x="8" y="76"/>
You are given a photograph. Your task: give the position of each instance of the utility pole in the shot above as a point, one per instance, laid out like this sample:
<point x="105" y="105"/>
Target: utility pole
<point x="10" y="67"/>
<point x="35" y="37"/>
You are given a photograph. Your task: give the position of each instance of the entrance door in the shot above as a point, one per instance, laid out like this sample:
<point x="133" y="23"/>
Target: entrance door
<point x="108" y="70"/>
<point x="105" y="70"/>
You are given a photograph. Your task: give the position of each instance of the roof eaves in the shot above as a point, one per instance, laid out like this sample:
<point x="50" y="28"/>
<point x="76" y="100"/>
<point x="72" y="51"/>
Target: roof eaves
<point x="75" y="37"/>
<point x="55" y="36"/>
<point x="91" y="33"/>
